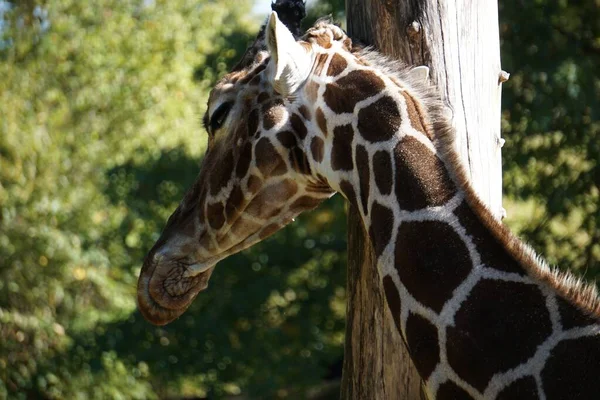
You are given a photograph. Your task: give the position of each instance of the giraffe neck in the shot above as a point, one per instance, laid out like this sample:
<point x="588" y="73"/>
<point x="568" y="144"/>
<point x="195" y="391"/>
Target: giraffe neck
<point x="481" y="317"/>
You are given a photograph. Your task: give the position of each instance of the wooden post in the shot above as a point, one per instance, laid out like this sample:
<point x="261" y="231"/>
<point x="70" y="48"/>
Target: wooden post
<point x="459" y="41"/>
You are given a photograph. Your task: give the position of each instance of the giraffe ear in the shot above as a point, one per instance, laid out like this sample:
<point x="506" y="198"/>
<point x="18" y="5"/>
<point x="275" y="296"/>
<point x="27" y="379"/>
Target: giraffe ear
<point x="290" y="62"/>
<point x="419" y="74"/>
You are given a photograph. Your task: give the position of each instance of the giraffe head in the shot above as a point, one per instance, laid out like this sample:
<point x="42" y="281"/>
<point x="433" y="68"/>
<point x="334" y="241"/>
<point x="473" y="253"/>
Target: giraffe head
<point x="257" y="175"/>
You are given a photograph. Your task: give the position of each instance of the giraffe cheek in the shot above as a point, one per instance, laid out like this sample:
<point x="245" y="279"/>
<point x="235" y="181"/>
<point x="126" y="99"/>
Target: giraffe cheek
<point x="244" y="160"/>
<point x="268" y="160"/>
<point x="269" y="230"/>
<point x="223" y="169"/>
<point x="215" y="215"/>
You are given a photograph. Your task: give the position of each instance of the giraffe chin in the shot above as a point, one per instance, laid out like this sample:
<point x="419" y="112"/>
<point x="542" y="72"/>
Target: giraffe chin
<point x="164" y="292"/>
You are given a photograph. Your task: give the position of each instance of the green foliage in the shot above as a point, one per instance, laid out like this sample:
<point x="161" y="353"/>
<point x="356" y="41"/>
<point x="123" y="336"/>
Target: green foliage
<point x="552" y="129"/>
<point x="99" y="139"/>
<point x="317" y="9"/>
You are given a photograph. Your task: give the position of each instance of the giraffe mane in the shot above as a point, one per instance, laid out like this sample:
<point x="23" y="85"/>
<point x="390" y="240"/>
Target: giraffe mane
<point x="582" y="294"/>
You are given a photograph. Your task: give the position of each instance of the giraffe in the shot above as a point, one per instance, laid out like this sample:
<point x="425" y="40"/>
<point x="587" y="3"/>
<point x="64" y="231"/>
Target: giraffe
<point x="296" y="121"/>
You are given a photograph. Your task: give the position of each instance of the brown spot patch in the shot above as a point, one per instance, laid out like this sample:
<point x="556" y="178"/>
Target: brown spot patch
<point x="320" y="63"/>
<point x="317" y="149"/>
<point x="244" y="161"/>
<point x="253" y="74"/>
<point x="299" y="161"/>
<point x="497" y="327"/>
<point x="492" y="252"/>
<point x="319" y="187"/>
<point x="393" y="299"/>
<point x="341" y="154"/>
<point x="234" y="203"/>
<point x="322" y="180"/>
<point x="214" y="212"/>
<point x="312" y="91"/>
<point x="431" y="260"/>
<point x="184" y="215"/>
<point x="242" y="228"/>
<point x="241" y="131"/>
<point x="222" y="174"/>
<point x="382" y="169"/>
<point x="266" y="203"/>
<point x="262" y="97"/>
<point x="255" y="81"/>
<point x="268" y="160"/>
<point x="571" y="316"/>
<point x="272" y="114"/>
<point x="416" y="118"/>
<point x="321" y="121"/>
<point x="253" y="122"/>
<point x="323" y="40"/>
<point x="268" y="231"/>
<point x="451" y="391"/>
<point x="572" y="370"/>
<point x="422" y="340"/>
<point x="305" y="203"/>
<point x="254" y="184"/>
<point x="305" y="112"/>
<point x="199" y="197"/>
<point x="362" y="160"/>
<point x="380" y="120"/>
<point x="382" y="223"/>
<point x="298" y="126"/>
<point x="348" y="191"/>
<point x="342" y="95"/>
<point x="421" y="178"/>
<point x="337" y="65"/>
<point x="522" y="389"/>
<point x="202" y="214"/>
<point x="287" y="139"/>
<point x="285" y="189"/>
<point x="347" y="43"/>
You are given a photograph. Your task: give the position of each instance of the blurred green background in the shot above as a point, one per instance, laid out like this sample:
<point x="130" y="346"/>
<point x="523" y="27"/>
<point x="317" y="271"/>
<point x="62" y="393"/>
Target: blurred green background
<point x="100" y="135"/>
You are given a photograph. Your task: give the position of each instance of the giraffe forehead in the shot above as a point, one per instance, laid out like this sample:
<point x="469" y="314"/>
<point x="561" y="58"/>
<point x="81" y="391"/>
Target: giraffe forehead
<point x="233" y="84"/>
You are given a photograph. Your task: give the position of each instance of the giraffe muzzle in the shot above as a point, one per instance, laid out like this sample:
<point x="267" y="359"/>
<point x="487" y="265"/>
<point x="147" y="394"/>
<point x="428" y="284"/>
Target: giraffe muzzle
<point x="166" y="289"/>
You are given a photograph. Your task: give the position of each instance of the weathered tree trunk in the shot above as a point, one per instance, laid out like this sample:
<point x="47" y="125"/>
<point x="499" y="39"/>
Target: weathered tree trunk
<point x="376" y="361"/>
<point x="459" y="41"/>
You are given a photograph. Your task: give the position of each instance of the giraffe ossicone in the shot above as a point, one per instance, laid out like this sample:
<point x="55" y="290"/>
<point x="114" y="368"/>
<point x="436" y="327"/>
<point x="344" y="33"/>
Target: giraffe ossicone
<point x="299" y="120"/>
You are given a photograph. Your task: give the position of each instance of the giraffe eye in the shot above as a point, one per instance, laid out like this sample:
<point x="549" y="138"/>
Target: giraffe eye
<point x="218" y="118"/>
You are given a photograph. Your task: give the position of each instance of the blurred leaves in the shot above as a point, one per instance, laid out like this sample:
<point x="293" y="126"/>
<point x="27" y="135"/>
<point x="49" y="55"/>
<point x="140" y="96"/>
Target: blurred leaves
<point x="321" y="8"/>
<point x="552" y="128"/>
<point x="99" y="139"/>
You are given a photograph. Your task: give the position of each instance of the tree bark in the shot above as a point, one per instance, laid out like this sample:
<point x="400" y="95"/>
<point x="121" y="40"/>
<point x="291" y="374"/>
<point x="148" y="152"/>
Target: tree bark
<point x="459" y="41"/>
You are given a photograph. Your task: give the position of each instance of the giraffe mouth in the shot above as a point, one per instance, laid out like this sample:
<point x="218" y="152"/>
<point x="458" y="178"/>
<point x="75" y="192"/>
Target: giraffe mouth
<point x="166" y="289"/>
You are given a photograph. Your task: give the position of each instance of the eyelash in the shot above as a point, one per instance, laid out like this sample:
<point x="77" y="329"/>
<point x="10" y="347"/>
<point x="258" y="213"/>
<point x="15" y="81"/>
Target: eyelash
<point x="219" y="116"/>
